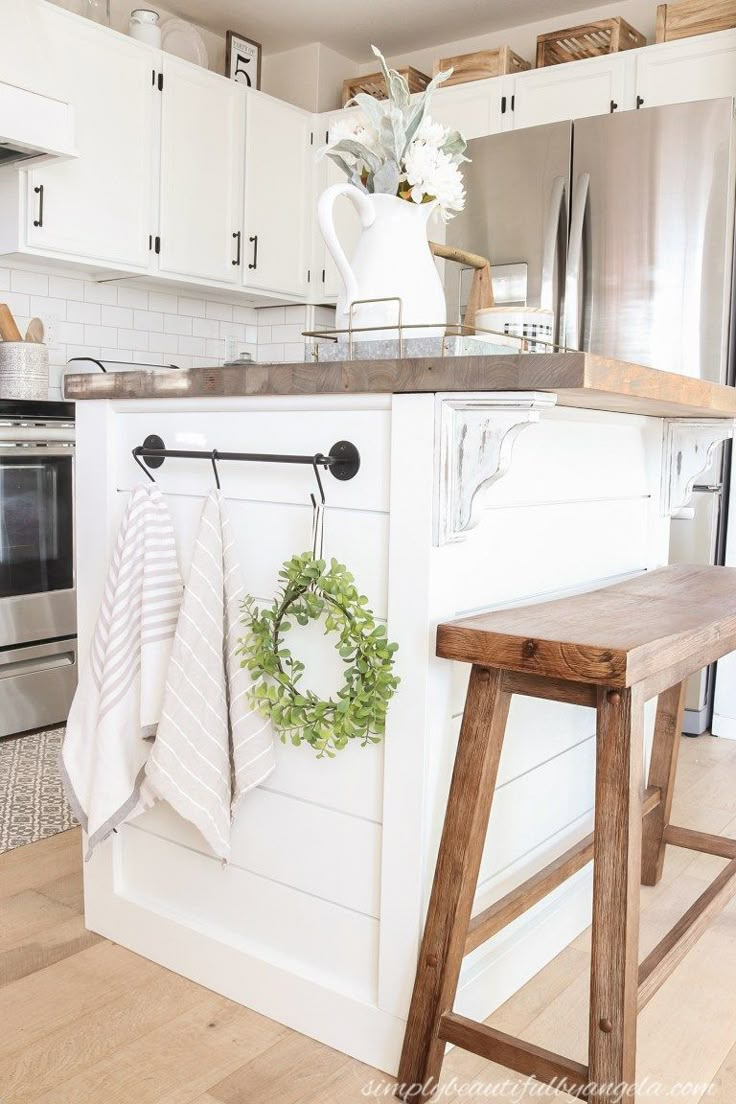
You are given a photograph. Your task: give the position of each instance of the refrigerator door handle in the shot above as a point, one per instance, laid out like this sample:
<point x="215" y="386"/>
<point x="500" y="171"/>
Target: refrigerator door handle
<point x="551" y="237"/>
<point x="575" y="262"/>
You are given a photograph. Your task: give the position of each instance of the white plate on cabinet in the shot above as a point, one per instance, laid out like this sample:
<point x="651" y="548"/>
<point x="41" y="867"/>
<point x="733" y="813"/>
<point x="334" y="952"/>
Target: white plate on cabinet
<point x="184" y="41"/>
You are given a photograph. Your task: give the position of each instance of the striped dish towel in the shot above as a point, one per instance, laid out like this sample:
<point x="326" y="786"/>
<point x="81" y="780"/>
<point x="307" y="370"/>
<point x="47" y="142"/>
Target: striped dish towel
<point x="211" y="747"/>
<point x="118" y="700"/>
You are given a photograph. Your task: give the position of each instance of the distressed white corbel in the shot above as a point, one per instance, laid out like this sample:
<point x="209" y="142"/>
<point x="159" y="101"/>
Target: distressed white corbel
<point x="476" y="439"/>
<point x="688" y="448"/>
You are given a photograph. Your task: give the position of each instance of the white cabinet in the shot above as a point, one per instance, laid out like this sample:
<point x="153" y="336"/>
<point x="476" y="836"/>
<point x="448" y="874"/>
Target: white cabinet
<point x="702" y="68"/>
<point x="573" y="91"/>
<point x="475" y="109"/>
<point x="278" y="193"/>
<point x="202" y="129"/>
<point x="98" y="206"/>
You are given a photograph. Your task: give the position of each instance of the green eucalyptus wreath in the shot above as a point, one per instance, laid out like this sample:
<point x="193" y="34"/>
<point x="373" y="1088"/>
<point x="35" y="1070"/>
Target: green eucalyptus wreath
<point x="309" y="590"/>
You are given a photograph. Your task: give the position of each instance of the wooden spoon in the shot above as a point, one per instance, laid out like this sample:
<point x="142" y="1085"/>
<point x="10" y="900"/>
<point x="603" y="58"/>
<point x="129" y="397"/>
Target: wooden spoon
<point x="35" y="331"/>
<point x="8" y="329"/>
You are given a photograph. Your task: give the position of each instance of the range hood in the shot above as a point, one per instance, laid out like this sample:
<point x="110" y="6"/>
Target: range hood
<point x="36" y="124"/>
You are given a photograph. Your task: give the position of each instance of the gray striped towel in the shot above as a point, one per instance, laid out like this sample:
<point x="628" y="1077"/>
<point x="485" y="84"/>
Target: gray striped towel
<point x="211" y="746"/>
<point x="118" y="701"/>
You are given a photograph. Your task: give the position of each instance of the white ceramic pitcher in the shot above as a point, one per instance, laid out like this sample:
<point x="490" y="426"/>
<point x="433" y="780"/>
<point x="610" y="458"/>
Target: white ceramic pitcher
<point x="392" y="261"/>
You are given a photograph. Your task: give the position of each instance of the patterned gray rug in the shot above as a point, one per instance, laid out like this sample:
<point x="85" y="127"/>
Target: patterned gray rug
<point x="32" y="803"/>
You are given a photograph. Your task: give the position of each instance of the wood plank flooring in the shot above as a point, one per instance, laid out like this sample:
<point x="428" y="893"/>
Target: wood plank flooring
<point x="87" y="1022"/>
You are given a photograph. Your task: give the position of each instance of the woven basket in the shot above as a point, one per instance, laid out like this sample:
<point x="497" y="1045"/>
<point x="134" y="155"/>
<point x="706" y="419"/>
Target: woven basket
<point x="24" y="370"/>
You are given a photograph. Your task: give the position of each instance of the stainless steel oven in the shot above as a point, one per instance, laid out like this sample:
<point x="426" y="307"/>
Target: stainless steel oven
<point x="38" y="620"/>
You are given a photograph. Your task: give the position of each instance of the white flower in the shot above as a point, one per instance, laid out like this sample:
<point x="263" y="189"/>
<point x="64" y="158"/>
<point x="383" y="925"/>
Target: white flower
<point x="356" y="128"/>
<point x="431" y="133"/>
<point x="430" y="172"/>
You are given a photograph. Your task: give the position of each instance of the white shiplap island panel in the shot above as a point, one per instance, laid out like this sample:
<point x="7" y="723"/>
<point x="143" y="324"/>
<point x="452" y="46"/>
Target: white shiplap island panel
<point x="317" y="919"/>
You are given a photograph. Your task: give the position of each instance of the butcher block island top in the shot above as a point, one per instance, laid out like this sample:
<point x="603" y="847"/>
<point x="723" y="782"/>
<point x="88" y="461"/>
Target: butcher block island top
<point x="578" y="379"/>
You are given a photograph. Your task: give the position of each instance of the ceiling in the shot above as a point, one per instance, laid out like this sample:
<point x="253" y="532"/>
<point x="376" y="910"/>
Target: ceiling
<point x="350" y="26"/>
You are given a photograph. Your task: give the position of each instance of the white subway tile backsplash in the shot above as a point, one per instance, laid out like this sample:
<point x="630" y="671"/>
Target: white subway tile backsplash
<point x="223" y="312"/>
<point x="31" y="283"/>
<point x="295" y="313"/>
<point x="193" y="346"/>
<point x="147" y="358"/>
<point x="271" y="353"/>
<point x="215" y="349"/>
<point x="117" y="316"/>
<point x="271" y="316"/>
<point x="4" y="279"/>
<point x="64" y="287"/>
<point x="232" y="329"/>
<point x="287" y="333"/>
<point x="43" y="307"/>
<point x="133" y="339"/>
<point x="70" y="332"/>
<point x="193" y="308"/>
<point x="20" y="304"/>
<point x="115" y="354"/>
<point x="163" y="343"/>
<point x="247" y="316"/>
<point x="294" y="350"/>
<point x="163" y="302"/>
<point x="133" y="297"/>
<point x="101" y="293"/>
<point x="206" y="327"/>
<point x="152" y="321"/>
<point x="175" y="324"/>
<point x="91" y="313"/>
<point x="101" y="335"/>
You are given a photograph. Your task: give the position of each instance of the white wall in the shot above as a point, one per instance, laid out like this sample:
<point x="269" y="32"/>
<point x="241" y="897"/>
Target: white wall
<point x="523" y="39"/>
<point x="308" y="76"/>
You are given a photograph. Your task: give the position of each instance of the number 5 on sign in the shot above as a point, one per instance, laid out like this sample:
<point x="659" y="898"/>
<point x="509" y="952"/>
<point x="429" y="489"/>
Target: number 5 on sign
<point x="243" y="60"/>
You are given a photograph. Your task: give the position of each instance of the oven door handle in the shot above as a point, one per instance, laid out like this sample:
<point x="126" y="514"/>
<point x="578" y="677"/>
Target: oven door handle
<point x="33" y="660"/>
<point x="18" y="449"/>
<point x="38" y="435"/>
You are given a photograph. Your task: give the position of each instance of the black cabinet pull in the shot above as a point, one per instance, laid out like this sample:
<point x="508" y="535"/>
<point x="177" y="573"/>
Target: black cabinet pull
<point x="254" y="243"/>
<point x="503" y="105"/>
<point x="157" y="245"/>
<point x="238" y="238"/>
<point x="639" y="102"/>
<point x="39" y="192"/>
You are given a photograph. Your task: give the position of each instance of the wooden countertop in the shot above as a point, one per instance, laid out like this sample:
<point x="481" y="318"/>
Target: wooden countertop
<point x="578" y="379"/>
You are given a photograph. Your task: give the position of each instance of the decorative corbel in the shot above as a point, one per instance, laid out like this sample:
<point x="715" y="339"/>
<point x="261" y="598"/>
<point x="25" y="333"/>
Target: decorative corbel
<point x="476" y="440"/>
<point x="688" y="448"/>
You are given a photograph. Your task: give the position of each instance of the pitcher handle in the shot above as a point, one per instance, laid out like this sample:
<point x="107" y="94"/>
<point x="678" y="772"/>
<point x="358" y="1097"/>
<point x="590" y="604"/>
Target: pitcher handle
<point x="327" y="226"/>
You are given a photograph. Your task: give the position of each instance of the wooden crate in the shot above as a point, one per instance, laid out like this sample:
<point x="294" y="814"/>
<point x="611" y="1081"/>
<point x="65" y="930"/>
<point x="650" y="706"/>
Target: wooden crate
<point x="605" y="36"/>
<point x="375" y="85"/>
<point x="694" y="17"/>
<point x="480" y="65"/>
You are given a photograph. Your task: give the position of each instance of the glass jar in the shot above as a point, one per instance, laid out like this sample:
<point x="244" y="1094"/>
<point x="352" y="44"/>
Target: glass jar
<point x="97" y="10"/>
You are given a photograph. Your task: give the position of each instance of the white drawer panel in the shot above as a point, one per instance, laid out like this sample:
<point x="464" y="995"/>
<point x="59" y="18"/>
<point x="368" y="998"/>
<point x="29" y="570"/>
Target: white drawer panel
<point x="333" y="945"/>
<point x="328" y="854"/>
<point x="299" y="432"/>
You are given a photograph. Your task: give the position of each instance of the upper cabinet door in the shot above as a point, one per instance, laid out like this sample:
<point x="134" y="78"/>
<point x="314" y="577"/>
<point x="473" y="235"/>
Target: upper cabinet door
<point x="573" y="91"/>
<point x="277" y="196"/>
<point x="202" y="135"/>
<point x="475" y="109"/>
<point x="98" y="206"/>
<point x="701" y="68"/>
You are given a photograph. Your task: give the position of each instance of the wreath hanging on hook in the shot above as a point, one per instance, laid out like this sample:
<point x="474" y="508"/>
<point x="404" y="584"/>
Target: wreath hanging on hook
<point x="309" y="591"/>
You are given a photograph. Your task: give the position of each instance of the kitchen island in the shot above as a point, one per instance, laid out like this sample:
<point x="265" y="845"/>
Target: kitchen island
<point x="483" y="482"/>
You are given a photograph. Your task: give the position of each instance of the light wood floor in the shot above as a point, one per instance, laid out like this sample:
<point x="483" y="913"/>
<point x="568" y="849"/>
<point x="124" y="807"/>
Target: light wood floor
<point x="83" y="1021"/>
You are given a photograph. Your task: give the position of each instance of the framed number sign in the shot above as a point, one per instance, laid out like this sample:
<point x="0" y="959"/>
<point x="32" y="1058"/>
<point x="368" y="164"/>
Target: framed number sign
<point x="243" y="60"/>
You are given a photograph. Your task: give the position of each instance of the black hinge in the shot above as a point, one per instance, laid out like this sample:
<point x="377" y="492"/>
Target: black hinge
<point x="614" y="106"/>
<point x="160" y="82"/>
<point x="157" y="244"/>
<point x="503" y="105"/>
<point x="639" y="102"/>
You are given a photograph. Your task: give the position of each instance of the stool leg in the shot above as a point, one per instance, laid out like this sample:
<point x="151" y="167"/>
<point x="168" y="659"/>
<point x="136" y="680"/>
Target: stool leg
<point x="455" y="877"/>
<point x="662" y="770"/>
<point x="616" y="872"/>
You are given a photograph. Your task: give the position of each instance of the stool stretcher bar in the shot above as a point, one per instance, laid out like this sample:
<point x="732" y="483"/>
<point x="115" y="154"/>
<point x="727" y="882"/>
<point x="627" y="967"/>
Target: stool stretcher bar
<point x="496" y="1046"/>
<point x="722" y="846"/>
<point x="659" y="964"/>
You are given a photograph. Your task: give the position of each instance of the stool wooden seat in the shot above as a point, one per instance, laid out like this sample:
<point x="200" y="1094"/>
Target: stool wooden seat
<point x="611" y="649"/>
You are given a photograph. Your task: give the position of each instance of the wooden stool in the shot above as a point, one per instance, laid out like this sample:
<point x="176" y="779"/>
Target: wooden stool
<point x="612" y="649"/>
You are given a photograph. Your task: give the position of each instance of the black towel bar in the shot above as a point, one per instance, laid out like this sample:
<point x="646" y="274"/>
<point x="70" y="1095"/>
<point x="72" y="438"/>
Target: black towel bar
<point x="343" y="459"/>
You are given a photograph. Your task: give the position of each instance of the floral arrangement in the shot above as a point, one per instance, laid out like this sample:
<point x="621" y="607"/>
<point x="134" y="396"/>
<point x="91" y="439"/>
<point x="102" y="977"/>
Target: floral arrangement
<point x="310" y="591"/>
<point x="393" y="147"/>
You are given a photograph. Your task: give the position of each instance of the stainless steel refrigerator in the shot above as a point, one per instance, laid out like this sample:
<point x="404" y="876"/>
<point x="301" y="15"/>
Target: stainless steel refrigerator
<point x="624" y="226"/>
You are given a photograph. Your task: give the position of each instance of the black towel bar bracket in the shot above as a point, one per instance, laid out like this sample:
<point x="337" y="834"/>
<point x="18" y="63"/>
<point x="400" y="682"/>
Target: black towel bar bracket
<point x="342" y="461"/>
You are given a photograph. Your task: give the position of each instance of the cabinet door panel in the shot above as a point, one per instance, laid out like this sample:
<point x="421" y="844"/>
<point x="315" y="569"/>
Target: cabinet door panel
<point x="572" y="91"/>
<point x="99" y="205"/>
<point x="702" y="68"/>
<point x="277" y="190"/>
<point x="474" y="109"/>
<point x="202" y="124"/>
